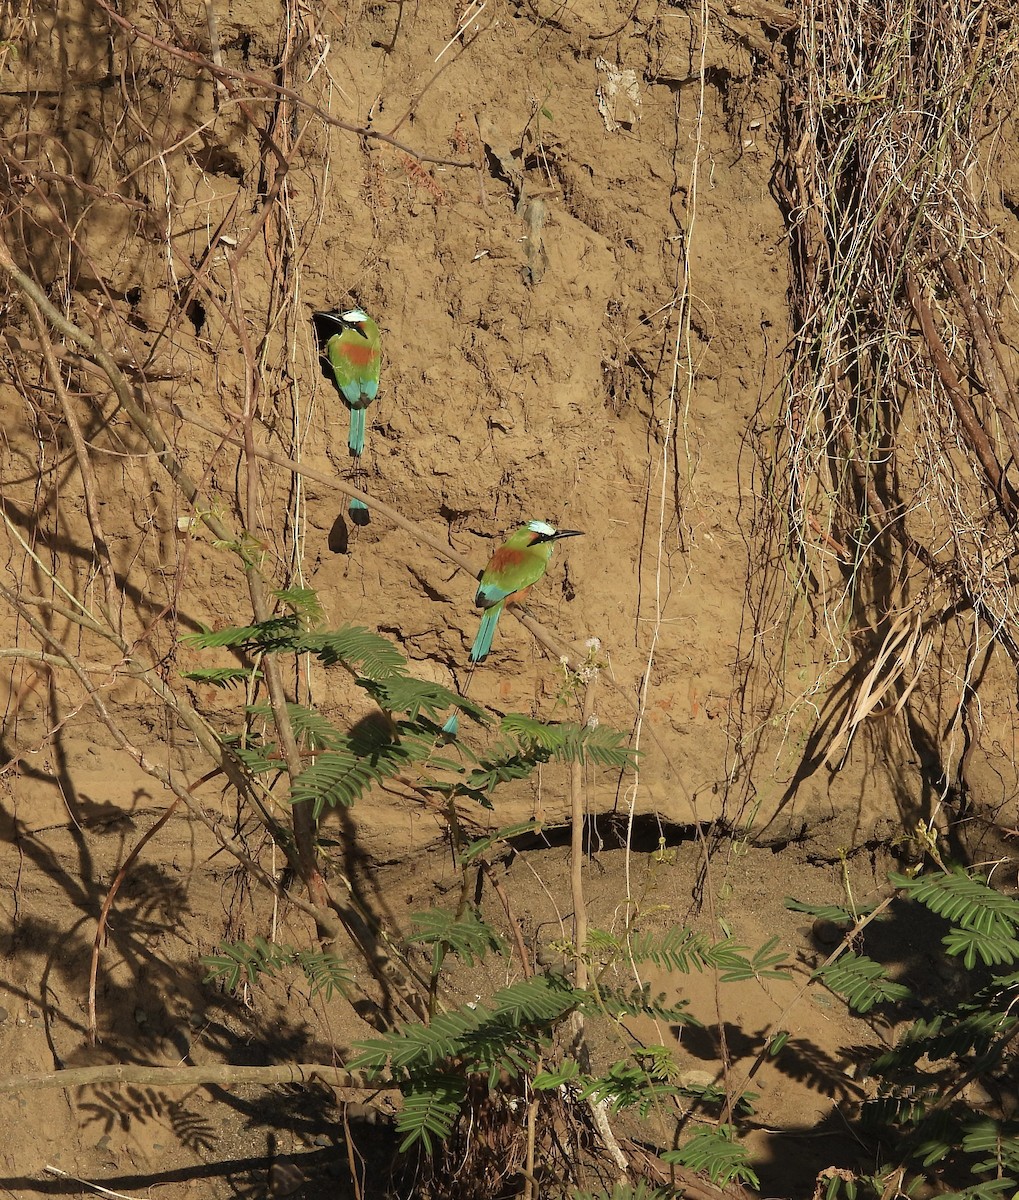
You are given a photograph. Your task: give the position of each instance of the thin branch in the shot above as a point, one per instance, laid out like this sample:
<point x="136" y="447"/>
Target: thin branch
<point x="99" y="540"/>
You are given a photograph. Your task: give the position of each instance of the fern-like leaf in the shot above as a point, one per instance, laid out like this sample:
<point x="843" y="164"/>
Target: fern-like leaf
<point x="361" y="651"/>
<point x="467" y="936"/>
<point x="679" y="949"/>
<point x="569" y="742"/>
<point x="239" y="961"/>
<point x="312" y="730"/>
<point x="716" y="1152"/>
<point x="828" y="912"/>
<point x="275" y="634"/>
<point x="305" y="604"/>
<point x="481" y="847"/>
<point x="639" y="1002"/>
<point x="566" y="1072"/>
<point x="431" y="1105"/>
<point x="334" y="779"/>
<point x="342" y="774"/>
<point x="993" y="1189"/>
<point x="628" y="1085"/>
<point x="326" y="973"/>
<point x="628" y="1191"/>
<point x="221" y="677"/>
<point x="861" y="980"/>
<point x="405" y="694"/>
<point x="964" y="901"/>
<point x="540" y="1000"/>
<point x="993" y="949"/>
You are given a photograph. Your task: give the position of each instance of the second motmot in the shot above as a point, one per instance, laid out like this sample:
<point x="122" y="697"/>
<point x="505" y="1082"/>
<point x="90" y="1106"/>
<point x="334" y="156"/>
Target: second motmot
<point x="350" y="343"/>
<point x="519" y="562"/>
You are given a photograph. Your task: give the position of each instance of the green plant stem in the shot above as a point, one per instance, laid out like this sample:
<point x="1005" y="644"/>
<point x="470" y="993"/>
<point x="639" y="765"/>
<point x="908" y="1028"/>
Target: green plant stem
<point x="580" y="923"/>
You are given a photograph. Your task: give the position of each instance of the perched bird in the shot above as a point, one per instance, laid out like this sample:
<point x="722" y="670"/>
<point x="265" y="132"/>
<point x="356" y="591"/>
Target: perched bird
<point x="350" y="345"/>
<point x="519" y="562"/>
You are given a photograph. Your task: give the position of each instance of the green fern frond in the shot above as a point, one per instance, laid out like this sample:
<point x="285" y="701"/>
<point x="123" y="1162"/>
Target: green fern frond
<point x="477" y="1036"/>
<point x="568" y="1071"/>
<point x="639" y="1002"/>
<point x="325" y="972"/>
<point x="829" y="912"/>
<point x="221" y="677"/>
<point x="993" y="949"/>
<point x="680" y="949"/>
<point x="405" y="694"/>
<point x="540" y="1000"/>
<point x="274" y="634"/>
<point x="971" y="1030"/>
<point x="964" y="901"/>
<point x="711" y="1095"/>
<point x="716" y="1152"/>
<point x="305" y="604"/>
<point x="314" y="731"/>
<point x="993" y="1189"/>
<point x="480" y="848"/>
<point x="736" y="967"/>
<point x="467" y="936"/>
<point x="341" y="775"/>
<point x="627" y="1191"/>
<point x="336" y="778"/>
<point x="861" y="980"/>
<point x="569" y="742"/>
<point x="503" y="764"/>
<point x="358" y="649"/>
<point x="895" y="1111"/>
<point x="239" y="961"/>
<point x="628" y="1085"/>
<point x="431" y="1105"/>
<point x="256" y="760"/>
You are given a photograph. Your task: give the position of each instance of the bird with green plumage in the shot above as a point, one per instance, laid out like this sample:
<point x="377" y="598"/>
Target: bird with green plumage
<point x="519" y="563"/>
<point x="350" y="346"/>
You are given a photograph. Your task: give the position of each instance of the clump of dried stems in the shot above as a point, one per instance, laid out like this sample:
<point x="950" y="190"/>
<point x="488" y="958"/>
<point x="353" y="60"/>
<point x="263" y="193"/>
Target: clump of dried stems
<point x="898" y="452"/>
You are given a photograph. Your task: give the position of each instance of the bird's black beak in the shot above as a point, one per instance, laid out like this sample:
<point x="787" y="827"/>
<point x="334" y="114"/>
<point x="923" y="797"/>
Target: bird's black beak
<point x="326" y="324"/>
<point x="561" y="533"/>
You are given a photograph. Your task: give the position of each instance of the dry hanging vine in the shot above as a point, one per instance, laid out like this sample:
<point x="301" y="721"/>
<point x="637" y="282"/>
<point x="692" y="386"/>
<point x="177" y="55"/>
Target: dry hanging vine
<point x="897" y="457"/>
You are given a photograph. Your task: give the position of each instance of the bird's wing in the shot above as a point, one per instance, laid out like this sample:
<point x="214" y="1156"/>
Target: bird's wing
<point x="509" y="571"/>
<point x="344" y="368"/>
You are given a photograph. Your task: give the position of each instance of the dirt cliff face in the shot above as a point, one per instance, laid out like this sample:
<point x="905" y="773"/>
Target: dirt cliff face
<point x="582" y="280"/>
<point x="578" y="325"/>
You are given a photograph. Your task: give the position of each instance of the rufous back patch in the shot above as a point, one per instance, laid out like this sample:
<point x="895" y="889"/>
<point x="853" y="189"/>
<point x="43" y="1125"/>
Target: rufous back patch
<point x="504" y="558"/>
<point x="357" y="355"/>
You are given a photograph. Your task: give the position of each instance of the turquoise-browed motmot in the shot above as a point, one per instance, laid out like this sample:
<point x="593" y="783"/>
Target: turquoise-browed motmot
<point x="519" y="562"/>
<point x="351" y="346"/>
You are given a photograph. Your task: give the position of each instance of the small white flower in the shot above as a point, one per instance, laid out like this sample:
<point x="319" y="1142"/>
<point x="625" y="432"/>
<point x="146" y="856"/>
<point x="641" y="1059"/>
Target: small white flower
<point x="593" y="644"/>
